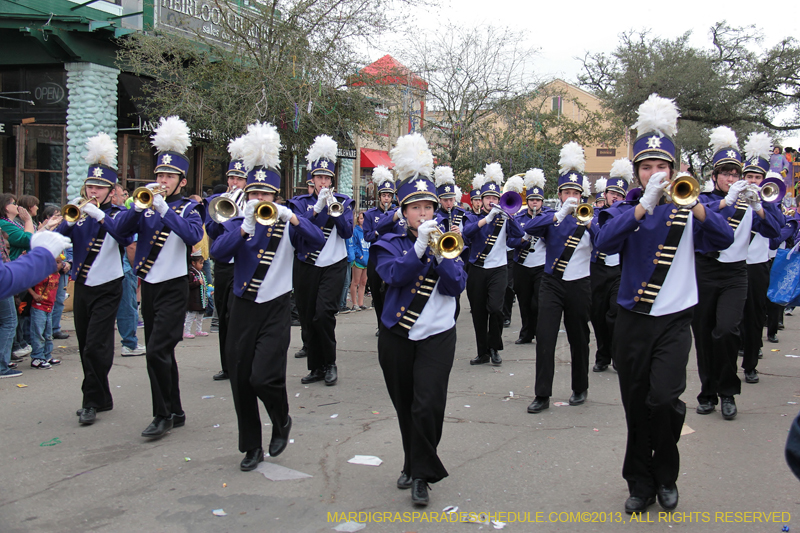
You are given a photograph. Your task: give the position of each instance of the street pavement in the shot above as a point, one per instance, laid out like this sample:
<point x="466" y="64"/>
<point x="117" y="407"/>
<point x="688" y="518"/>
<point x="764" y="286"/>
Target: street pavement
<point x="554" y="471"/>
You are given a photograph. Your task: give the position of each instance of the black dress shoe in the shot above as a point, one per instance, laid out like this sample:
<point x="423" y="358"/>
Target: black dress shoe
<point x="523" y="341"/>
<point x="61" y="335"/>
<point x="599" y="367"/>
<point x="158" y="427"/>
<point x="331" y="375"/>
<point x="577" y="398"/>
<point x="280" y="438"/>
<point x="667" y="497"/>
<point x="780" y="326"/>
<point x="772" y="338"/>
<point x="98" y="409"/>
<point x="740" y="354"/>
<point x="728" y="407"/>
<point x="419" y="492"/>
<point x="178" y="421"/>
<point x="377" y="332"/>
<point x="251" y="459"/>
<point x="760" y="353"/>
<point x="221" y="375"/>
<point x="506" y="323"/>
<point x="751" y="376"/>
<point x="480" y="360"/>
<point x="539" y="404"/>
<point x="295" y="322"/>
<point x="313" y="376"/>
<point x="302" y="352"/>
<point x="705" y="408"/>
<point x="404" y="481"/>
<point x="494" y="356"/>
<point x="88" y="416"/>
<point x="635" y="504"/>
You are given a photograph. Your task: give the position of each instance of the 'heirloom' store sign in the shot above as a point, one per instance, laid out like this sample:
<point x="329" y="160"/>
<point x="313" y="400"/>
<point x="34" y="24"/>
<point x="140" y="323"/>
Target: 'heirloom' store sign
<point x="191" y="18"/>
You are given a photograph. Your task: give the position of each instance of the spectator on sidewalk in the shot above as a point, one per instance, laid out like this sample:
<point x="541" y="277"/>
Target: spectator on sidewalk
<point x="198" y="297"/>
<point x="128" y="311"/>
<point x="50" y="218"/>
<point x="358" y="278"/>
<point x="44" y="297"/>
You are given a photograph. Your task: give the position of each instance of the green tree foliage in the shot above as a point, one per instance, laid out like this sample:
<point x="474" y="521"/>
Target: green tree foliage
<point x="732" y="82"/>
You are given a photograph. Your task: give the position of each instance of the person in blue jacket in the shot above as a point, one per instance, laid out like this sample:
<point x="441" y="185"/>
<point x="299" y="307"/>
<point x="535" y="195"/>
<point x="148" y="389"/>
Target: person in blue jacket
<point x="417" y="338"/>
<point x="358" y="279"/>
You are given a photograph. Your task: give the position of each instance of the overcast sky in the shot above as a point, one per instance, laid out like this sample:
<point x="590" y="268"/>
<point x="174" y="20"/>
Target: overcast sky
<point x="565" y="30"/>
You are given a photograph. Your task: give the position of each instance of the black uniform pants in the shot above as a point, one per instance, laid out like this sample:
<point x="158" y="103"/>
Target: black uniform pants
<point x="605" y="286"/>
<point x="376" y="287"/>
<point x="317" y="291"/>
<point x="416" y="375"/>
<point x="755" y="313"/>
<point x="257" y="346"/>
<point x="526" y="284"/>
<point x="509" y="296"/>
<point x="572" y="299"/>
<point x="223" y="295"/>
<point x="486" y="290"/>
<point x="95" y="311"/>
<point x="774" y="312"/>
<point x="163" y="313"/>
<point x="651" y="361"/>
<point x="722" y="290"/>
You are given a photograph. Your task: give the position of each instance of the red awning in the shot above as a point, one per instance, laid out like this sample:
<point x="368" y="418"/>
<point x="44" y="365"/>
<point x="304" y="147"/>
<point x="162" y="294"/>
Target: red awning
<point x="372" y="158"/>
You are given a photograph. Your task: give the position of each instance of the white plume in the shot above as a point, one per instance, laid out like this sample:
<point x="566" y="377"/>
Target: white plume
<point x="708" y="186"/>
<point x="324" y="147"/>
<point x="477" y="181"/>
<point x="102" y="150"/>
<point x="600" y="185"/>
<point x="657" y="114"/>
<point x="443" y="175"/>
<point x="493" y="172"/>
<point x="411" y="156"/>
<point x="723" y="137"/>
<point x="515" y="184"/>
<point x="534" y="178"/>
<point x="775" y="175"/>
<point x="622" y="168"/>
<point x="262" y="146"/>
<point x="172" y="135"/>
<point x="587" y="186"/>
<point x="572" y="158"/>
<point x="381" y="175"/>
<point x="235" y="148"/>
<point x="758" y="145"/>
<point x="459" y="194"/>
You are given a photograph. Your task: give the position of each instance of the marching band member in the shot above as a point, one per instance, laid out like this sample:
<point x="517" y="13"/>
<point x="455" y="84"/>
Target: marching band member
<point x="223" y="270"/>
<point x="450" y="215"/>
<point x="97" y="271"/>
<point x="260" y="324"/>
<point x="416" y="345"/>
<point x="722" y="276"/>
<point x="565" y="287"/>
<point x="167" y="231"/>
<point x="322" y="271"/>
<point x="379" y="217"/>
<point x="600" y="190"/>
<point x="756" y="168"/>
<point x="529" y="256"/>
<point x="488" y="275"/>
<point x="475" y="201"/>
<point x="657" y="294"/>
<point x="604" y="270"/>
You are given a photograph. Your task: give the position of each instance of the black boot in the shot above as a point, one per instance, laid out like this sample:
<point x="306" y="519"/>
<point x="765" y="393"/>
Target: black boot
<point x="419" y="492"/>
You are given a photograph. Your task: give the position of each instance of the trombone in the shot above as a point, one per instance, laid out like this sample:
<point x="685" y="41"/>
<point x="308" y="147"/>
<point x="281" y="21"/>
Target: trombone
<point x="266" y="213"/>
<point x="143" y="196"/>
<point x="448" y="245"/>
<point x="335" y="208"/>
<point x="72" y="212"/>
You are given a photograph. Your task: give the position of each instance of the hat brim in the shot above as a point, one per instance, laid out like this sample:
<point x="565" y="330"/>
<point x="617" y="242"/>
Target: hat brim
<point x="654" y="154"/>
<point x="167" y="169"/>
<point x="420" y="196"/>
<point x="263" y="187"/>
<point x="98" y="182"/>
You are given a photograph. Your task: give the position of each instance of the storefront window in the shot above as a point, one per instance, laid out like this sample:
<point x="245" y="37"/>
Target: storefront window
<point x="43" y="163"/>
<point x="366" y="190"/>
<point x="140" y="162"/>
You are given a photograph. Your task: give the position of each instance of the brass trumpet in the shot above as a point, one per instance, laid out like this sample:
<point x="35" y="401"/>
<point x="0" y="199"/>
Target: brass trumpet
<point x="584" y="213"/>
<point x="448" y="245"/>
<point x="266" y="213"/>
<point x="72" y="212"/>
<point x="225" y="206"/>
<point x="770" y="191"/>
<point x="684" y="190"/>
<point x="335" y="208"/>
<point x="143" y="197"/>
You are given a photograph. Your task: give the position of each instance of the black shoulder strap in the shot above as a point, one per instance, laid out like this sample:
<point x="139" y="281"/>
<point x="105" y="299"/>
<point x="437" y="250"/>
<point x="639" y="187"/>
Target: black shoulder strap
<point x="569" y="249"/>
<point x="311" y="259"/>
<point x="492" y="239"/>
<point x="421" y="296"/>
<point x="94" y="249"/>
<point x="265" y="260"/>
<point x="736" y="219"/>
<point x="159" y="241"/>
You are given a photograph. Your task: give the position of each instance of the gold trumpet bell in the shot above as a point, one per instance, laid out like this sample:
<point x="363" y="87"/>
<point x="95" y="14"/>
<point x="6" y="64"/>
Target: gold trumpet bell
<point x="72" y="212"/>
<point x="584" y="213"/>
<point x="448" y="245"/>
<point x="266" y="213"/>
<point x="684" y="190"/>
<point x="143" y="197"/>
<point x="221" y="209"/>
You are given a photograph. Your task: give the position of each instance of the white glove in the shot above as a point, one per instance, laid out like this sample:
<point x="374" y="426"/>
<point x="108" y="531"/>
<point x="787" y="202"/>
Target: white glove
<point x="93" y="211"/>
<point x="322" y="201"/>
<point x="53" y="242"/>
<point x="423" y="235"/>
<point x="493" y="213"/>
<point x="566" y="209"/>
<point x="249" y="223"/>
<point x="654" y="191"/>
<point x="527" y="237"/>
<point x="735" y="190"/>
<point x="752" y="197"/>
<point x="284" y="213"/>
<point x="153" y="186"/>
<point x="160" y="205"/>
